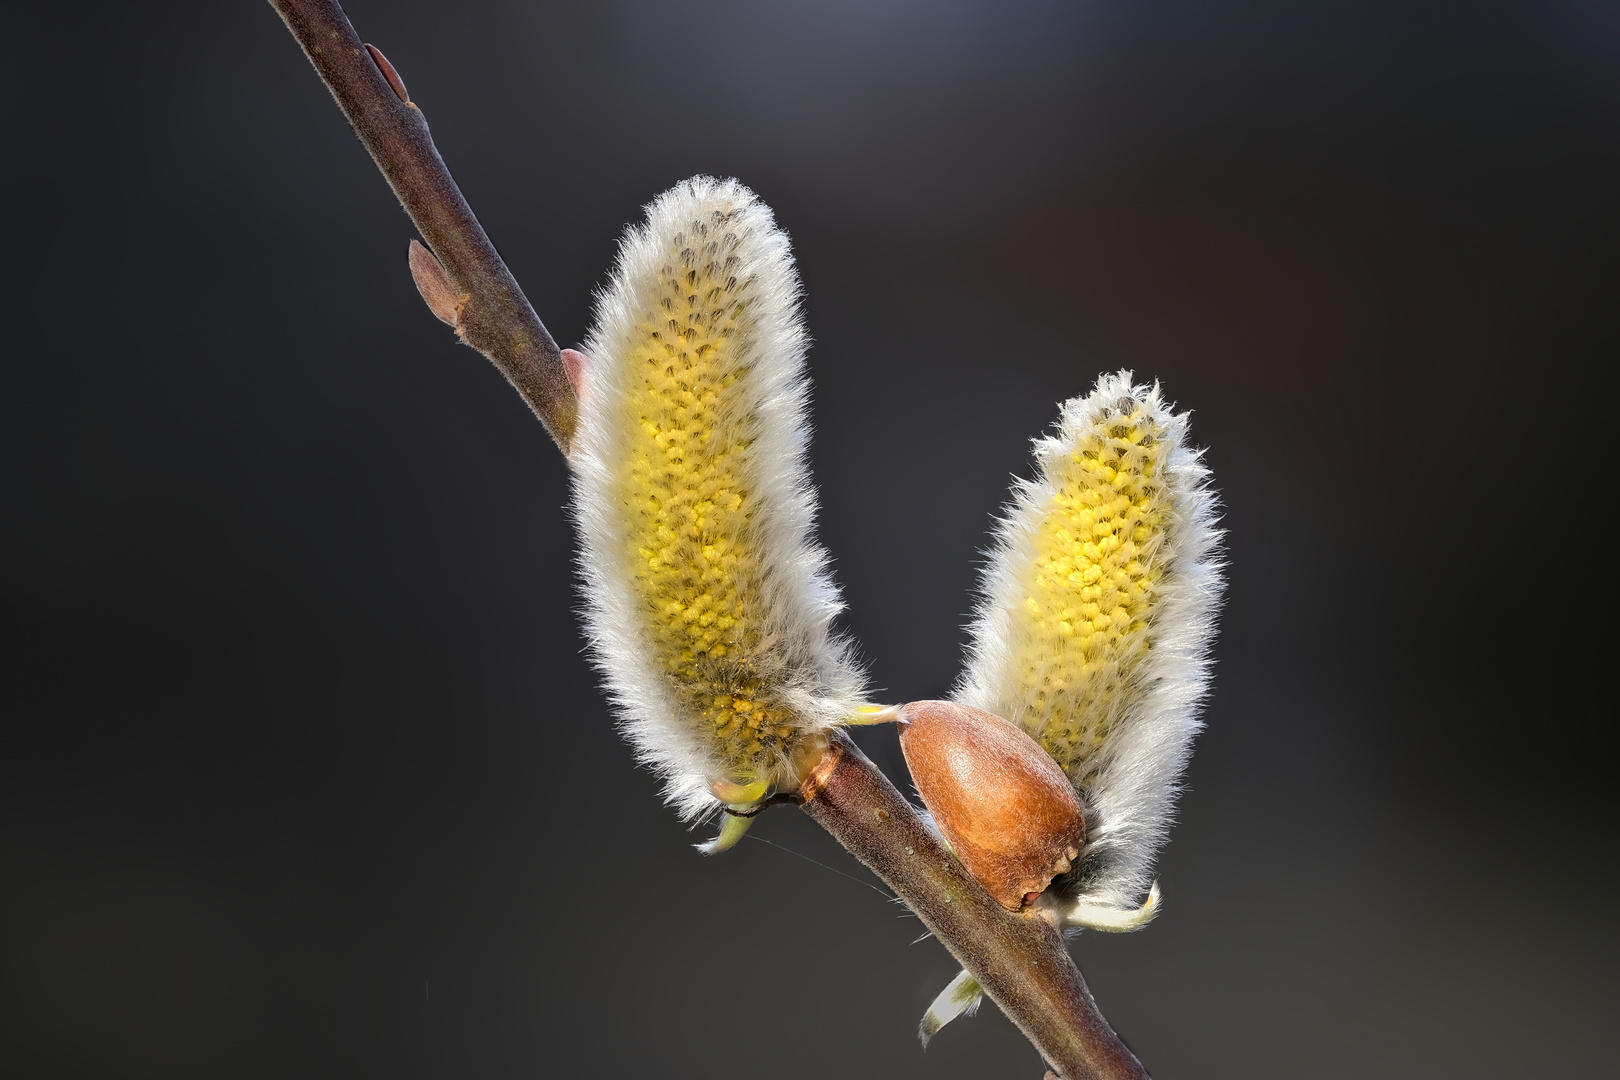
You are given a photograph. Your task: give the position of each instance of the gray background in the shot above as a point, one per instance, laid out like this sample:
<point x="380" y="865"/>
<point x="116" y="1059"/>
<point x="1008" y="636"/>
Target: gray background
<point x="303" y="773"/>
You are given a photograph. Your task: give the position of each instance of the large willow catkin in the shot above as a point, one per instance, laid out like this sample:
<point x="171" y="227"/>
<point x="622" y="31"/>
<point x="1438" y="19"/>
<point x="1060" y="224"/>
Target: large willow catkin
<point x="708" y="603"/>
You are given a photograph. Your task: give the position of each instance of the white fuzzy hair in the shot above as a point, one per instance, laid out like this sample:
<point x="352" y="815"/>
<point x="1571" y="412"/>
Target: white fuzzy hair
<point x="810" y="669"/>
<point x="1134" y="774"/>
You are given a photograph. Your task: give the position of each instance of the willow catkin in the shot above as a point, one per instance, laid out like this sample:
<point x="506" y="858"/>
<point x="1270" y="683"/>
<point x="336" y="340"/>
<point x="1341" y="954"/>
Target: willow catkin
<point x="1097" y="612"/>
<point x="708" y="602"/>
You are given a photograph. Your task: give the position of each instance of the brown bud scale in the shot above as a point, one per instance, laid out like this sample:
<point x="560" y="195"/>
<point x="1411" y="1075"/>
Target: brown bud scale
<point x="1001" y="802"/>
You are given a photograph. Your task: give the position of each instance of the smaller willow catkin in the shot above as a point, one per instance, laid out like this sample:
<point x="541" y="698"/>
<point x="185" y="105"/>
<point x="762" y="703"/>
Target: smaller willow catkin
<point x="707" y="602"/>
<point x="1097" y="614"/>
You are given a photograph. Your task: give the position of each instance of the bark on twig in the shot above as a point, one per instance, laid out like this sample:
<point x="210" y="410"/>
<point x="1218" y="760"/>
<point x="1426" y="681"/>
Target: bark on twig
<point x="494" y="317"/>
<point x="1019" y="960"/>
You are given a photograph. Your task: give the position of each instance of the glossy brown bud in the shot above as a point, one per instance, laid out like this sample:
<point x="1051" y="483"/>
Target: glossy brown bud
<point x="1001" y="802"/>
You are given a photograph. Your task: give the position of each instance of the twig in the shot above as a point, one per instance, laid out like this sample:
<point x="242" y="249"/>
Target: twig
<point x="1019" y="960"/>
<point x="490" y="312"/>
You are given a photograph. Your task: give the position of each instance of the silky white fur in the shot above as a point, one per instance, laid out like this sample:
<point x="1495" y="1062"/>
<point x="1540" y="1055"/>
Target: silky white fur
<point x="817" y="676"/>
<point x="1130" y="802"/>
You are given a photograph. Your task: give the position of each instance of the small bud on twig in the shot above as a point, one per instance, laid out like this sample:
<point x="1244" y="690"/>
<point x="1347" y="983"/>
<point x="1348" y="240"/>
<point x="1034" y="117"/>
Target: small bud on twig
<point x="388" y="72"/>
<point x="574" y="363"/>
<point x="434" y="284"/>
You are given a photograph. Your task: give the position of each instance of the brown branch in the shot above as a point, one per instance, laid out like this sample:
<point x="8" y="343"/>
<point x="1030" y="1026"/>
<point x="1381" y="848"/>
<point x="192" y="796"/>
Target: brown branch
<point x="494" y="316"/>
<point x="1019" y="960"/>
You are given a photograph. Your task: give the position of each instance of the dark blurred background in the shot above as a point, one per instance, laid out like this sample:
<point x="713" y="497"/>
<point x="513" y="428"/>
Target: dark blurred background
<point x="303" y="773"/>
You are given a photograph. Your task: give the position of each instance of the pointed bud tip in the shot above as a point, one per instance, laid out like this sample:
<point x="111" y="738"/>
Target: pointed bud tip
<point x="395" y="83"/>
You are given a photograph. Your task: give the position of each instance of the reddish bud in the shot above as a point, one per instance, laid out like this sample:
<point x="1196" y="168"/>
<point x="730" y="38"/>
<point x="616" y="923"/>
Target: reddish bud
<point x="1001" y="802"/>
<point x="395" y="83"/>
<point x="574" y="363"/>
<point x="434" y="285"/>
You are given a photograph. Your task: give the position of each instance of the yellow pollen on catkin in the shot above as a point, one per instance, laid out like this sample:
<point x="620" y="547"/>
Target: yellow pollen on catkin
<point x="688" y="488"/>
<point x="1090" y="589"/>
